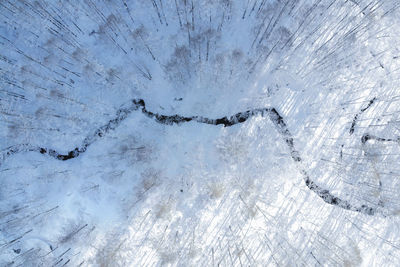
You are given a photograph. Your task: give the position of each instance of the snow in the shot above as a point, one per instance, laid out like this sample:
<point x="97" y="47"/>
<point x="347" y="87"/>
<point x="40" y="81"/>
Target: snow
<point x="192" y="194"/>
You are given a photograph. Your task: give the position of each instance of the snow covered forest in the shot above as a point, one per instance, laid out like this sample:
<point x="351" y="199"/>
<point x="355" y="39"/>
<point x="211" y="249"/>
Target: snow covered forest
<point x="200" y="133"/>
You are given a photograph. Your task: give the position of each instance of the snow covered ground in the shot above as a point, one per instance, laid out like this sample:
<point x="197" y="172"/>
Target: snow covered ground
<point x="89" y="177"/>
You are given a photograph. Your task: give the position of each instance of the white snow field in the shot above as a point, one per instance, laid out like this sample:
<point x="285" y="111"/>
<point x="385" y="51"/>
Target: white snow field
<point x="96" y="169"/>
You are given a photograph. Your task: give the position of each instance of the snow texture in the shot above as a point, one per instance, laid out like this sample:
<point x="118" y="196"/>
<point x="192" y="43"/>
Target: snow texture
<point x="190" y="133"/>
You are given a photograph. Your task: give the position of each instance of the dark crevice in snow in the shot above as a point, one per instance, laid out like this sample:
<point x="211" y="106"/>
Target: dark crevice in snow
<point x="240" y="117"/>
<point x="368" y="137"/>
<point x="353" y="124"/>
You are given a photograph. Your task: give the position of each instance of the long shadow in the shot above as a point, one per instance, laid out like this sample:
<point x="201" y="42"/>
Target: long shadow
<point x="240" y="117"/>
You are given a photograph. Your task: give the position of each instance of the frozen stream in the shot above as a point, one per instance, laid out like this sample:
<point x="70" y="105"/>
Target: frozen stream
<point x="200" y="133"/>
